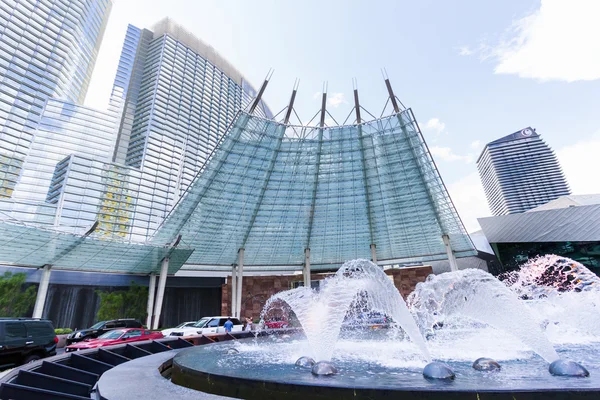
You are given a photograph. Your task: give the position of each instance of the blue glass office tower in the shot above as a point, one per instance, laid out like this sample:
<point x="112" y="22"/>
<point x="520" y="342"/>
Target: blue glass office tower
<point x="520" y="172"/>
<point x="47" y="50"/>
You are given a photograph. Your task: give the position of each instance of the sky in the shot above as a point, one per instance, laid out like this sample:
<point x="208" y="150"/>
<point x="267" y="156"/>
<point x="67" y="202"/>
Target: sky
<point x="472" y="71"/>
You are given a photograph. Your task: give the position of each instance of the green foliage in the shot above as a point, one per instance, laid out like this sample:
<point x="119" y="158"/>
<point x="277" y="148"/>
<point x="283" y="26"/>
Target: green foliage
<point x="63" y="331"/>
<point x="14" y="301"/>
<point x="129" y="303"/>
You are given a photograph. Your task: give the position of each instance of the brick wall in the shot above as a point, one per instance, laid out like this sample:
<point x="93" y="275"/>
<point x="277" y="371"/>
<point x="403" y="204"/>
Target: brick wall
<point x="257" y="289"/>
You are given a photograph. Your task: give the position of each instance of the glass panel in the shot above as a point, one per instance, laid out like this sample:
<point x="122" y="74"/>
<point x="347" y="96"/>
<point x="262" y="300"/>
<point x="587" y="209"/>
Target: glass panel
<point x="276" y="190"/>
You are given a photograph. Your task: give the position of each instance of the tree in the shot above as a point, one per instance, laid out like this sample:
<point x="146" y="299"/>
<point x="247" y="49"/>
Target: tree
<point x="129" y="303"/>
<point x="15" y="301"/>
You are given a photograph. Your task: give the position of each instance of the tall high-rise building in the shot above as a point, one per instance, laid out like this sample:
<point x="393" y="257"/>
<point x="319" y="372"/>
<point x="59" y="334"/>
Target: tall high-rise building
<point x="172" y="100"/>
<point x="48" y="49"/>
<point x="178" y="97"/>
<point x="520" y="172"/>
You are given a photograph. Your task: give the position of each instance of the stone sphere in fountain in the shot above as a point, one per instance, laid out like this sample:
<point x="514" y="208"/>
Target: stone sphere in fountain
<point x="438" y="370"/>
<point x="568" y="368"/>
<point x="305" y="362"/>
<point x="486" y="364"/>
<point x="324" y="368"/>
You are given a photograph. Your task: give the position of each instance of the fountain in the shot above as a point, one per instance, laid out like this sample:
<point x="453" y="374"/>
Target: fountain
<point x="515" y="338"/>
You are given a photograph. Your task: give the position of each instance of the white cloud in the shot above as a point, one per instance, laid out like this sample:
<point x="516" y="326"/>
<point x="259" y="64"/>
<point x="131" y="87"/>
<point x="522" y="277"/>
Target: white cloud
<point x="579" y="161"/>
<point x="469" y="198"/>
<point x="335" y="99"/>
<point x="447" y="154"/>
<point x="580" y="164"/>
<point x="330" y="122"/>
<point x="465" y="51"/>
<point x="559" y="41"/>
<point x="475" y="145"/>
<point x="434" y="124"/>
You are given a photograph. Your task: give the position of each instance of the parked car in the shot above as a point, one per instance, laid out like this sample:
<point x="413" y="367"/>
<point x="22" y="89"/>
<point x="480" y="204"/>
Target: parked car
<point x="23" y="340"/>
<point x="185" y="324"/>
<point x="204" y="326"/>
<point x="371" y="320"/>
<point x="277" y="323"/>
<point x="116" y="336"/>
<point x="101" y="328"/>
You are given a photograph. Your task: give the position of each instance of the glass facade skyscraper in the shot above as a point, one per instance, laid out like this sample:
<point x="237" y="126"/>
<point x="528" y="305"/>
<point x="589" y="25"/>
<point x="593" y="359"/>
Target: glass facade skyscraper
<point x="173" y="98"/>
<point x="520" y="172"/>
<point x="180" y="98"/>
<point x="48" y="49"/>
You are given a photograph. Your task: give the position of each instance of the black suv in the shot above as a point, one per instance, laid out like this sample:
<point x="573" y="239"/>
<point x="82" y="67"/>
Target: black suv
<point x="23" y="340"/>
<point x="102" y="327"/>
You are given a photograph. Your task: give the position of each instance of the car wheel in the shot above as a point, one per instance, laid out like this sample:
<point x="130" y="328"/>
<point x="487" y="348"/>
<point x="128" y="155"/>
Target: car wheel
<point x="31" y="358"/>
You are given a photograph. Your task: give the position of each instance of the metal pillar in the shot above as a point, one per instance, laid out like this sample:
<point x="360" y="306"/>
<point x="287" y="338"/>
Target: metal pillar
<point x="290" y="108"/>
<point x="40" y="300"/>
<point x="240" y="279"/>
<point x="256" y="101"/>
<point x="150" y="306"/>
<point x="162" y="282"/>
<point x="233" y="290"/>
<point x="306" y="272"/>
<point x="311" y="215"/>
<point x="451" y="258"/>
<point x="373" y="253"/>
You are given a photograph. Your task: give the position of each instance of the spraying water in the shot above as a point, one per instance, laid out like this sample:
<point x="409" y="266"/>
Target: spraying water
<point x="563" y="294"/>
<point x="479" y="296"/>
<point x="322" y="313"/>
<point x="550" y="274"/>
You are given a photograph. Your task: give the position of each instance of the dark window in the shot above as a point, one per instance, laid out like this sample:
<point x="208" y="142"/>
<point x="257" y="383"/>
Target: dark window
<point x="132" y="334"/>
<point x="236" y="321"/>
<point x="37" y="329"/>
<point x="110" y="325"/>
<point x="15" y="330"/>
<point x="133" y="324"/>
<point x="120" y="324"/>
<point x="213" y="323"/>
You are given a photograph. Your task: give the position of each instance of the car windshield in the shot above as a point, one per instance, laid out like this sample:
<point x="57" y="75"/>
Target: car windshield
<point x="184" y="324"/>
<point x="201" y="323"/>
<point x="112" y="334"/>
<point x="97" y="325"/>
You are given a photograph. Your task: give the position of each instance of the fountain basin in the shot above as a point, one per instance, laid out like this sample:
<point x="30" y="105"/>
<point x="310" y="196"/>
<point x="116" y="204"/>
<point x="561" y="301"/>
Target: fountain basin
<point x="265" y="370"/>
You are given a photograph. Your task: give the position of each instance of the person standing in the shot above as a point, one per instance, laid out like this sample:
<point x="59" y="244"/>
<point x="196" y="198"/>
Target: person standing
<point x="228" y="325"/>
<point x="248" y="326"/>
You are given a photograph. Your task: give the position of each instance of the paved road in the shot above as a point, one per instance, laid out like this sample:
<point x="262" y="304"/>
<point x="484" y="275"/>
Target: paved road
<point x="58" y="352"/>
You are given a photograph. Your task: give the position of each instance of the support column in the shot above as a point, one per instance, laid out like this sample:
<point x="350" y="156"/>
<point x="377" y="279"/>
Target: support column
<point x="40" y="300"/>
<point x="451" y="258"/>
<point x="374" y="253"/>
<point x="240" y="279"/>
<point x="150" y="306"/>
<point x="162" y="282"/>
<point x="306" y="272"/>
<point x="233" y="290"/>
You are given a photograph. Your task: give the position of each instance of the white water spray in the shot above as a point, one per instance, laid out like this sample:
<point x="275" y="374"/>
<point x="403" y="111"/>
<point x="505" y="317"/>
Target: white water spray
<point x="322" y="313"/>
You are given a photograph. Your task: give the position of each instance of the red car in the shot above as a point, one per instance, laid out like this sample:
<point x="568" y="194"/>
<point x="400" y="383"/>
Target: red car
<point x="277" y="323"/>
<point x="117" y="336"/>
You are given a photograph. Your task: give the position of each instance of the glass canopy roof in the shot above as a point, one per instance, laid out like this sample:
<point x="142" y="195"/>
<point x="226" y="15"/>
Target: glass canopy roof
<point x="33" y="246"/>
<point x="276" y="189"/>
